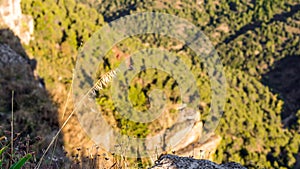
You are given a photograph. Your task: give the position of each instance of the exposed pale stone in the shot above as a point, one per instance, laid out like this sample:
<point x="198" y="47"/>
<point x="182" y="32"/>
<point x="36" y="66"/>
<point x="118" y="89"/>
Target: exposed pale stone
<point x="11" y="16"/>
<point x="204" y="150"/>
<point x="185" y="137"/>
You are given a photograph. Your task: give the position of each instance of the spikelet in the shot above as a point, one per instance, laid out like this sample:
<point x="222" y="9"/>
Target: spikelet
<point x="103" y="82"/>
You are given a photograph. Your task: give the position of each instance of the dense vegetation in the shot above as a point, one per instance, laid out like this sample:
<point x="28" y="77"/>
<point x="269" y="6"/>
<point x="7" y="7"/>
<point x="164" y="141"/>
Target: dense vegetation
<point x="250" y="37"/>
<point x="60" y="29"/>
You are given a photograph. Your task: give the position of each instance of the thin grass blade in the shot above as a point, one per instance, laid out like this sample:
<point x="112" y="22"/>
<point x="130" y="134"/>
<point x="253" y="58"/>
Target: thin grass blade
<point x="21" y="162"/>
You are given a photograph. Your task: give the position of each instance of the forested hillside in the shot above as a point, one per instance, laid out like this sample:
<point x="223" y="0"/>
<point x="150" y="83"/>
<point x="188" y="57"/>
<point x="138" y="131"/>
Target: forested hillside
<point x="260" y="125"/>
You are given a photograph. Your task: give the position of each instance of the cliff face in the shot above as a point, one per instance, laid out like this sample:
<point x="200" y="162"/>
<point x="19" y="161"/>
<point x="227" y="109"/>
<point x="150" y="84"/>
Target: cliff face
<point x="11" y="16"/>
<point x="193" y="143"/>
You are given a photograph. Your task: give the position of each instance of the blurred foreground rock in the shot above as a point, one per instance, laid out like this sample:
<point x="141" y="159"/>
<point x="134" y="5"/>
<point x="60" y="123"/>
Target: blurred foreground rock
<point x="174" y="162"/>
<point x="35" y="115"/>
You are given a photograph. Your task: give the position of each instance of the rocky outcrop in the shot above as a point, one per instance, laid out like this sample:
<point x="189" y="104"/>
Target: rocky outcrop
<point x="14" y="71"/>
<point x="174" y="162"/>
<point x="193" y="143"/>
<point x="12" y="54"/>
<point x="10" y="57"/>
<point x="202" y="150"/>
<point x="11" y="16"/>
<point x="7" y="36"/>
<point x="35" y="115"/>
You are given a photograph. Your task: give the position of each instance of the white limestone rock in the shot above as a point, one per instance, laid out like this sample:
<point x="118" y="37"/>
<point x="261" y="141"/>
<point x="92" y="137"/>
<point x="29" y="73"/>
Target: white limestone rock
<point x="11" y="16"/>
